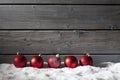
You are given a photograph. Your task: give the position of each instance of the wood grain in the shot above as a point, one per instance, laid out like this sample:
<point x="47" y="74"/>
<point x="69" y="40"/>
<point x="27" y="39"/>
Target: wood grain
<point x="59" y="17"/>
<point x="63" y="1"/>
<point x="70" y="42"/>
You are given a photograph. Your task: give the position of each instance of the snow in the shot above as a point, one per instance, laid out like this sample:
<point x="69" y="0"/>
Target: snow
<point x="10" y="72"/>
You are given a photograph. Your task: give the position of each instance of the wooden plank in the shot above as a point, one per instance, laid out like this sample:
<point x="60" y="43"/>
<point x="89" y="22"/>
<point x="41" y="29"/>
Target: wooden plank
<point x="59" y="17"/>
<point x="70" y="42"/>
<point x="63" y="1"/>
<point x="98" y="59"/>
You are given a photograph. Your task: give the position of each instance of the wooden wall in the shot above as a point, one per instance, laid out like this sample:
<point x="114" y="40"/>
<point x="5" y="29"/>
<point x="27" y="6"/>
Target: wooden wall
<point x="72" y="26"/>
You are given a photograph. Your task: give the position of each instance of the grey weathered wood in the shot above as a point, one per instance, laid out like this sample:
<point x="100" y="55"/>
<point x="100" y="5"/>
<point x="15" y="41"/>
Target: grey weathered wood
<point x="59" y="17"/>
<point x="97" y="59"/>
<point x="70" y="42"/>
<point x="63" y="1"/>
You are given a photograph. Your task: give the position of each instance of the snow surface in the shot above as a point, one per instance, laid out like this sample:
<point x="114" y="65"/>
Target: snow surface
<point x="10" y="72"/>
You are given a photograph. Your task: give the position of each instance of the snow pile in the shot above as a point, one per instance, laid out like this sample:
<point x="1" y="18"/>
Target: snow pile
<point x="9" y="72"/>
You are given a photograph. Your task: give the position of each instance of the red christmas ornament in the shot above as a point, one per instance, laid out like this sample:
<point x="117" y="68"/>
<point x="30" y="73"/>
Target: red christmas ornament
<point x="19" y="61"/>
<point x="37" y="61"/>
<point x="86" y="60"/>
<point x="54" y="61"/>
<point x="71" y="61"/>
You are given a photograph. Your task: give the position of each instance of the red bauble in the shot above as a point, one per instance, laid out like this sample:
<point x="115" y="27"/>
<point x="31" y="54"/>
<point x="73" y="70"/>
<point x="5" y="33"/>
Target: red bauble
<point x="71" y="61"/>
<point x="54" y="61"/>
<point x="19" y="61"/>
<point x="37" y="61"/>
<point x="86" y="60"/>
